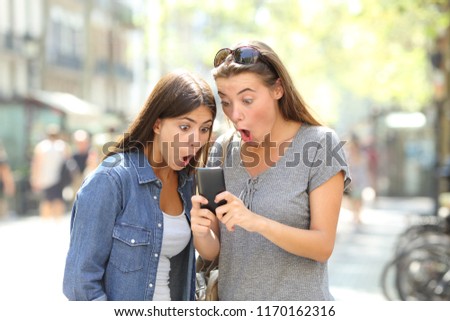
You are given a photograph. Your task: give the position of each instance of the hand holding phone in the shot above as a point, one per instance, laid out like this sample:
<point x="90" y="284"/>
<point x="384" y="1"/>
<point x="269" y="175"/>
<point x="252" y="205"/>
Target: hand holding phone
<point x="210" y="182"/>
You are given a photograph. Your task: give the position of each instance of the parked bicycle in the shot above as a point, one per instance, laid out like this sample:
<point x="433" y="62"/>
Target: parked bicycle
<point x="420" y="268"/>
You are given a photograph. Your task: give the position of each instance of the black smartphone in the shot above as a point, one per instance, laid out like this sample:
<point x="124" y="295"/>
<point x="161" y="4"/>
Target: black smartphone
<point x="210" y="182"/>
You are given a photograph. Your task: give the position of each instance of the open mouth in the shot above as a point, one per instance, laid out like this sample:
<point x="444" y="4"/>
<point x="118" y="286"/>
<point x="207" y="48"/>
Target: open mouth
<point x="246" y="135"/>
<point x="186" y="159"/>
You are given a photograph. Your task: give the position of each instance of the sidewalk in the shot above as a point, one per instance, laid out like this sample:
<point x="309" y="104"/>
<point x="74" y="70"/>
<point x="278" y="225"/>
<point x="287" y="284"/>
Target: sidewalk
<point x="362" y="251"/>
<point x="32" y="252"/>
<point x="354" y="268"/>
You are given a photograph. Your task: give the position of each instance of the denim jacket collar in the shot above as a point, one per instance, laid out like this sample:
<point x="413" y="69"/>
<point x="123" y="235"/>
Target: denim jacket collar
<point x="145" y="172"/>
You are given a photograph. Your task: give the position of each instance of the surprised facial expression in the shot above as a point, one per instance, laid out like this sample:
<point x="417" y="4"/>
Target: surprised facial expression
<point x="177" y="140"/>
<point x="250" y="104"/>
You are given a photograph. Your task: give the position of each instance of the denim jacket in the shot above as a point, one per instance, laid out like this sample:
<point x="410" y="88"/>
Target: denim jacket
<point x="117" y="231"/>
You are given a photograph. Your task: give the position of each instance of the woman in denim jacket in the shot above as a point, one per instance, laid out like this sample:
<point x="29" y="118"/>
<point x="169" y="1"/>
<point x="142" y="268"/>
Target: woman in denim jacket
<point x="130" y="225"/>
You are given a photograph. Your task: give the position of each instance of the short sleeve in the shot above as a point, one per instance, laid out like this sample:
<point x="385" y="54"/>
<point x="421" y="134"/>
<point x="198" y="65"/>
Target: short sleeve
<point x="326" y="158"/>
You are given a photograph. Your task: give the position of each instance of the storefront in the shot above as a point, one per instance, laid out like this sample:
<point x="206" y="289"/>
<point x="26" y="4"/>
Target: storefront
<point x="22" y="125"/>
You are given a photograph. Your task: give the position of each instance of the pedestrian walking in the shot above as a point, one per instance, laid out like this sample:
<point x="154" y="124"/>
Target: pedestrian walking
<point x="358" y="162"/>
<point x="48" y="173"/>
<point x="7" y="184"/>
<point x="80" y="156"/>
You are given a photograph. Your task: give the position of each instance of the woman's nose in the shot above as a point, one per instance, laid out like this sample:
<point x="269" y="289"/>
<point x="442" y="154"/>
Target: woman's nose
<point x="194" y="139"/>
<point x="236" y="115"/>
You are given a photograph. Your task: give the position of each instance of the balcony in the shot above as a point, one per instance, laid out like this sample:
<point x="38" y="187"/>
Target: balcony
<point x="23" y="44"/>
<point x="67" y="61"/>
<point x="6" y="41"/>
<point x="121" y="71"/>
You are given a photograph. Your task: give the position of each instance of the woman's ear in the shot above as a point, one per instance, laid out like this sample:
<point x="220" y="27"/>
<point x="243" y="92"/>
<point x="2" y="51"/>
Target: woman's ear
<point x="278" y="90"/>
<point x="157" y="126"/>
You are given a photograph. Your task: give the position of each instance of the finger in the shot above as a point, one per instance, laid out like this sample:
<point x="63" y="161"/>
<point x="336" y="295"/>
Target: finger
<point x="221" y="211"/>
<point x="200" y="230"/>
<point x="230" y="226"/>
<point x="225" y="215"/>
<point x="204" y="213"/>
<point x="201" y="221"/>
<point x="198" y="200"/>
<point x="208" y="214"/>
<point x="201" y="213"/>
<point x="227" y="196"/>
<point x="229" y="220"/>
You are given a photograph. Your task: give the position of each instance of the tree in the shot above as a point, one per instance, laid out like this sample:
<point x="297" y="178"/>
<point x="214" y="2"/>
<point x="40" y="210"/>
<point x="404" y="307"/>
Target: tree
<point x="368" y="50"/>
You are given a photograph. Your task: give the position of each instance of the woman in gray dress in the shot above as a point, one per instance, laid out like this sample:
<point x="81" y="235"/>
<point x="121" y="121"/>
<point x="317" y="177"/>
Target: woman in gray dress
<point x="285" y="175"/>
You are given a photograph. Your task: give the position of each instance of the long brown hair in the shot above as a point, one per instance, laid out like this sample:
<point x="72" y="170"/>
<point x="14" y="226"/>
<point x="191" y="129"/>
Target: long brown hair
<point x="175" y="94"/>
<point x="270" y="68"/>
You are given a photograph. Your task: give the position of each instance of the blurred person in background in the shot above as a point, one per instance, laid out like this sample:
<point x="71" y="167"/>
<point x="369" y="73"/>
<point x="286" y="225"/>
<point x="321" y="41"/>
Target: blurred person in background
<point x="130" y="228"/>
<point x="100" y="144"/>
<point x="7" y="184"/>
<point x="81" y="153"/>
<point x="47" y="168"/>
<point x="358" y="162"/>
<point x="284" y="185"/>
<point x="82" y="143"/>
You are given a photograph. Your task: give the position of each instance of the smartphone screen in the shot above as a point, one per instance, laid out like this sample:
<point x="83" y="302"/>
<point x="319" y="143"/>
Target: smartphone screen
<point x="210" y="182"/>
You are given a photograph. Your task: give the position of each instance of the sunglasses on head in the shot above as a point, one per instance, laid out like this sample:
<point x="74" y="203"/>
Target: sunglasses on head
<point x="245" y="55"/>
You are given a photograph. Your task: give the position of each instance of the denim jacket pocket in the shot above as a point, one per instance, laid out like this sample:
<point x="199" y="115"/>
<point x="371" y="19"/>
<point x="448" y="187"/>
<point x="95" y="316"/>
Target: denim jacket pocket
<point x="130" y="245"/>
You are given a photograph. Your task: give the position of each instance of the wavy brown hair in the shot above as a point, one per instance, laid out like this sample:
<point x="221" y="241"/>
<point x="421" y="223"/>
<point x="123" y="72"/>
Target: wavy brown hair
<point x="270" y="68"/>
<point x="176" y="94"/>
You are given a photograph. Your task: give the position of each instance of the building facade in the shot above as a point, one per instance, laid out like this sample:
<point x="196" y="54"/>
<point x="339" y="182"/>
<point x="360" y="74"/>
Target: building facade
<point x="92" y="49"/>
<point x="76" y="63"/>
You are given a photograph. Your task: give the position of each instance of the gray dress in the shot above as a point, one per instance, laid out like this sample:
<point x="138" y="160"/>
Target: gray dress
<point x="251" y="267"/>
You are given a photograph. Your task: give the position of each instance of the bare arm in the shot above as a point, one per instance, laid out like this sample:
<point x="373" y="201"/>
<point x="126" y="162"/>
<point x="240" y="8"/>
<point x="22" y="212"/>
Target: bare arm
<point x="205" y="229"/>
<point x="317" y="243"/>
<point x="8" y="179"/>
<point x="35" y="170"/>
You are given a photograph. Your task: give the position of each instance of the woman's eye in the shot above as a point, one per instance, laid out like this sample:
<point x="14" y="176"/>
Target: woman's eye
<point x="205" y="130"/>
<point x="248" y="101"/>
<point x="184" y="127"/>
<point x="225" y="103"/>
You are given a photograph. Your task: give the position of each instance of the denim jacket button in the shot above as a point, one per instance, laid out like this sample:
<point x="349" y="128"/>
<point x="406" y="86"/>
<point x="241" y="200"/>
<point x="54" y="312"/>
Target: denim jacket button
<point x="133" y="241"/>
<point x="159" y="224"/>
<point x="155" y="197"/>
<point x="156" y="254"/>
<point x="150" y="285"/>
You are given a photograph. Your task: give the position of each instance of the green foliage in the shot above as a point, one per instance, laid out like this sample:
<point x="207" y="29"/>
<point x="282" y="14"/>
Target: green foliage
<point x="371" y="50"/>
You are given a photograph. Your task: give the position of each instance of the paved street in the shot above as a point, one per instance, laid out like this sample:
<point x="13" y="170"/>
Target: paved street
<point x="32" y="259"/>
<point x="362" y="251"/>
<point x="33" y="253"/>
